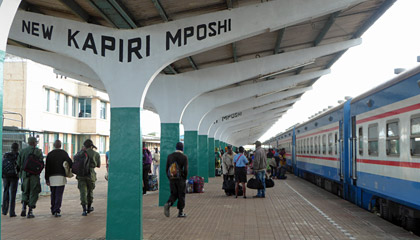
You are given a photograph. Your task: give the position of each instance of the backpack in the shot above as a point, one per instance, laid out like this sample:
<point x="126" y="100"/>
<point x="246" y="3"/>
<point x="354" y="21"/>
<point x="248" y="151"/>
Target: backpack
<point x="9" y="166"/>
<point x="81" y="164"/>
<point x="173" y="171"/>
<point x="33" y="164"/>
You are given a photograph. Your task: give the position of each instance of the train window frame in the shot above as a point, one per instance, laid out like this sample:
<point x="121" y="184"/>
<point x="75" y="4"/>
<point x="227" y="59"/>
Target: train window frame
<point x="373" y="139"/>
<point x="360" y="140"/>
<point x="324" y="144"/>
<point x="336" y="143"/>
<point x="330" y="143"/>
<point x="316" y="142"/>
<point x="311" y="145"/>
<point x="414" y="137"/>
<point x="393" y="138"/>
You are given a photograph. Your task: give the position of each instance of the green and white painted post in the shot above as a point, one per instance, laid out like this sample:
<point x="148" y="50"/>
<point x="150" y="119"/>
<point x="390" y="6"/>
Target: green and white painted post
<point x="190" y="149"/>
<point x="125" y="172"/>
<point x="212" y="169"/>
<point x="203" y="164"/>
<point x="168" y="140"/>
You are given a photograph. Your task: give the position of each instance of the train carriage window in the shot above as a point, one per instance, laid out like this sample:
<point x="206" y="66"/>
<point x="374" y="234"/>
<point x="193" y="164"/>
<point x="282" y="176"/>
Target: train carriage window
<point x="360" y="141"/>
<point x="324" y="144"/>
<point x="311" y="144"/>
<point x="307" y="145"/>
<point x="316" y="145"/>
<point x="336" y="143"/>
<point x="330" y="144"/>
<point x="392" y="139"/>
<point x="373" y="136"/>
<point x="415" y="136"/>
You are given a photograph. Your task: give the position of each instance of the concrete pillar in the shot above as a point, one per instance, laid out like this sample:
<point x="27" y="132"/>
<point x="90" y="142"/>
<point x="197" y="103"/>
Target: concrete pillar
<point x="124" y="211"/>
<point x="203" y="160"/>
<point x="7" y="12"/>
<point x="169" y="138"/>
<point x="190" y="149"/>
<point x="211" y="147"/>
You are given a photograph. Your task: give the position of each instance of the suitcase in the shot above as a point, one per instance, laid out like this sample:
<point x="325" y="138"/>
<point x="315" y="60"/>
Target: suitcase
<point x="190" y="186"/>
<point x="198" y="184"/>
<point x="153" y="183"/>
<point x="218" y="172"/>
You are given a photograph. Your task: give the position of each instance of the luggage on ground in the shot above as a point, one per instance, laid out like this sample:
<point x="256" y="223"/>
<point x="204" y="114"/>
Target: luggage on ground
<point x="269" y="183"/>
<point x="153" y="183"/>
<point x="218" y="172"/>
<point x="198" y="184"/>
<point x="190" y="186"/>
<point x="254" y="183"/>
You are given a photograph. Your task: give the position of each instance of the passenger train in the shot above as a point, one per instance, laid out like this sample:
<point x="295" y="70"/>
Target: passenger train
<point x="366" y="150"/>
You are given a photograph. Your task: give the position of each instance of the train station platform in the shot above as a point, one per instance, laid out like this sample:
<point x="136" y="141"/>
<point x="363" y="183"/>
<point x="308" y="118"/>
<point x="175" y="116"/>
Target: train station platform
<point x="293" y="209"/>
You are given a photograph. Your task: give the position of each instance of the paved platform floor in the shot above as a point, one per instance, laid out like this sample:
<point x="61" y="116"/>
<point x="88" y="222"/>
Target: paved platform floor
<point x="293" y="209"/>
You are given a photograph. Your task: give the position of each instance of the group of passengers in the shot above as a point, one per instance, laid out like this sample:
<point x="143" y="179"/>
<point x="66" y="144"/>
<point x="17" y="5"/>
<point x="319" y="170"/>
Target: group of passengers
<point x="57" y="168"/>
<point x="235" y="166"/>
<point x="277" y="163"/>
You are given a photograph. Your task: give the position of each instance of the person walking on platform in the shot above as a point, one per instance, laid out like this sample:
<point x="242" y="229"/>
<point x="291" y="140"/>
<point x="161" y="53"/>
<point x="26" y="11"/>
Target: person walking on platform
<point x="260" y="165"/>
<point x="31" y="186"/>
<point x="10" y="180"/>
<point x="147" y="167"/>
<point x="86" y="184"/>
<point x="227" y="164"/>
<point x="241" y="163"/>
<point x="55" y="176"/>
<point x="156" y="162"/>
<point x="177" y="172"/>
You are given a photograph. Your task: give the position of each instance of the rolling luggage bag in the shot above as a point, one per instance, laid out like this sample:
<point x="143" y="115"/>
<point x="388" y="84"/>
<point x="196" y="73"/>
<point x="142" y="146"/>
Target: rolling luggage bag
<point x="153" y="183"/>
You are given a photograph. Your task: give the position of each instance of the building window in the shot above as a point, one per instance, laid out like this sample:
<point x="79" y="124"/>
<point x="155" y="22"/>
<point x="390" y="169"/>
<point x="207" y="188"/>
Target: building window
<point x="73" y="145"/>
<point x="360" y="141"/>
<point x="57" y="102"/>
<point x="66" y="105"/>
<point x="415" y="136"/>
<point x="47" y="91"/>
<point x="392" y="139"/>
<point x="65" y="142"/>
<point x="74" y="107"/>
<point x="373" y="136"/>
<point x="46" y="140"/>
<point x="103" y="110"/>
<point x="102" y="143"/>
<point x="85" y="107"/>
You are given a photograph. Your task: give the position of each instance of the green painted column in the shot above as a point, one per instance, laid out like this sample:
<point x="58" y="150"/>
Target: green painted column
<point x="125" y="196"/>
<point x="190" y="149"/>
<point x="203" y="164"/>
<point x="2" y="56"/>
<point x="212" y="169"/>
<point x="168" y="140"/>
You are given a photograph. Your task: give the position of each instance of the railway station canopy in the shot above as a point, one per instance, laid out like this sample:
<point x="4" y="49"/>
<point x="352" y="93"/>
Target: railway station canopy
<point x="335" y="26"/>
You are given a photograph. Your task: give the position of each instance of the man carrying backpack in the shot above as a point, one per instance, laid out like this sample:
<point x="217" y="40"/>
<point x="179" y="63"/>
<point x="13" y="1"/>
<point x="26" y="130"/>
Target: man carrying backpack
<point x="177" y="172"/>
<point x="86" y="184"/>
<point x="10" y="180"/>
<point x="31" y="186"/>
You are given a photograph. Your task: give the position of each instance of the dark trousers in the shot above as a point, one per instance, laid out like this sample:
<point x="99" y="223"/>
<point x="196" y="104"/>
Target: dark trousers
<point x="56" y="198"/>
<point x="178" y="188"/>
<point x="10" y="186"/>
<point x="146" y="170"/>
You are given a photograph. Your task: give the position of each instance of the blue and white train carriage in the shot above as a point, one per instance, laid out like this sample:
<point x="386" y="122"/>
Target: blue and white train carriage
<point x="366" y="150"/>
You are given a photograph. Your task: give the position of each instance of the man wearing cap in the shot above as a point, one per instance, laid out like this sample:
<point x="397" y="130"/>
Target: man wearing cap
<point x="177" y="185"/>
<point x="87" y="184"/>
<point x="31" y="186"/>
<point x="260" y="165"/>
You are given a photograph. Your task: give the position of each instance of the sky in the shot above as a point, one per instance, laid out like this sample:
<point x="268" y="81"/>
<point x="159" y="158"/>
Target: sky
<point x="392" y="42"/>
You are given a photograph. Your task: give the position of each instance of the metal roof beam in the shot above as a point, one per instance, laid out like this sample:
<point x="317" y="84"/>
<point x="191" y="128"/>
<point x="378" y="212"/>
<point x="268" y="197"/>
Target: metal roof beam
<point x="229" y="4"/>
<point x="278" y="41"/>
<point x="76" y="9"/>
<point x="114" y="13"/>
<point x="161" y="11"/>
<point x="384" y="7"/>
<point x="29" y="7"/>
<point x="192" y="63"/>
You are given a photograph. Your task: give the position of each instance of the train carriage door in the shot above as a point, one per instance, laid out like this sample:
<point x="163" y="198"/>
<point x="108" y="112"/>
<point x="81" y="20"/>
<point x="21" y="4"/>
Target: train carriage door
<point x="340" y="149"/>
<point x="353" y="147"/>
